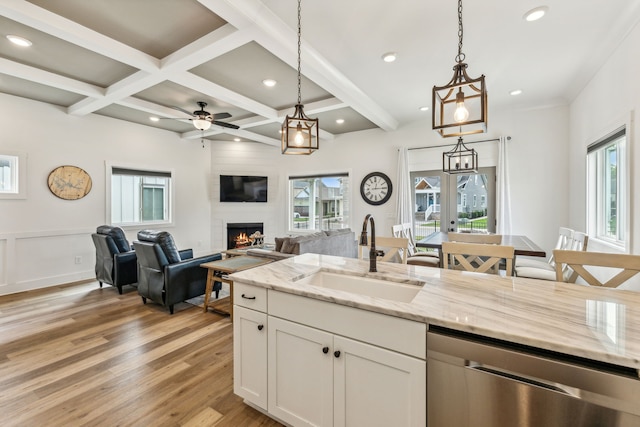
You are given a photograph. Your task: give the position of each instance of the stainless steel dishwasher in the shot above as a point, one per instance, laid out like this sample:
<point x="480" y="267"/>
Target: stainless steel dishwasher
<point x="473" y="381"/>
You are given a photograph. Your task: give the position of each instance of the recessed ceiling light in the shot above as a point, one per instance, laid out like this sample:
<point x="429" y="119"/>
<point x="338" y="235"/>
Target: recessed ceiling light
<point x="269" y="82"/>
<point x="424" y="108"/>
<point x="237" y="139"/>
<point x="536" y="13"/>
<point x="389" y="57"/>
<point x="339" y="121"/>
<point x="515" y="92"/>
<point x="20" y="41"/>
<point x="154" y="119"/>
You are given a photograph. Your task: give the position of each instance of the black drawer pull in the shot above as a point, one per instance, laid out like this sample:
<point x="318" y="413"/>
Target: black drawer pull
<point x="246" y="297"/>
<point x="336" y="353"/>
<point x="260" y="327"/>
<point x="325" y="350"/>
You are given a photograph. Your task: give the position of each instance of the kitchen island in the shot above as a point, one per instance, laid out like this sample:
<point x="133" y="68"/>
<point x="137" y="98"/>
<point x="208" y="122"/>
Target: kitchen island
<point x="600" y="326"/>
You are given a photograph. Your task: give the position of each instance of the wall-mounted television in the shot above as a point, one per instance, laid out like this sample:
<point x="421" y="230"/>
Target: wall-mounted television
<point x="243" y="188"/>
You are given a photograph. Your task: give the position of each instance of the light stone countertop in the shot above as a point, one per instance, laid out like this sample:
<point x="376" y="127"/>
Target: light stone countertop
<point x="595" y="323"/>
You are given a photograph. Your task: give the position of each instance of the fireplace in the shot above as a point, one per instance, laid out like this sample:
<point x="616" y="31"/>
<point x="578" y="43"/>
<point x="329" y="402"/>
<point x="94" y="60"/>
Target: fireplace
<point x="241" y="234"/>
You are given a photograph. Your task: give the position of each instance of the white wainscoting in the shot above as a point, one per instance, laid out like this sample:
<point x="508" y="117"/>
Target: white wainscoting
<point x="39" y="259"/>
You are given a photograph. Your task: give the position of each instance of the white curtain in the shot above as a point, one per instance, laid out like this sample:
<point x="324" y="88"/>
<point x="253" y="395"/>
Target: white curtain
<point x="502" y="189"/>
<point x="404" y="211"/>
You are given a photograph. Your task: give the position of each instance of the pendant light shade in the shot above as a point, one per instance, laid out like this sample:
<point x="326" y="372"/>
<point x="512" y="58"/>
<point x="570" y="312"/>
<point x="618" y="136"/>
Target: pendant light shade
<point x="460" y="107"/>
<point x="460" y="160"/>
<point x="299" y="134"/>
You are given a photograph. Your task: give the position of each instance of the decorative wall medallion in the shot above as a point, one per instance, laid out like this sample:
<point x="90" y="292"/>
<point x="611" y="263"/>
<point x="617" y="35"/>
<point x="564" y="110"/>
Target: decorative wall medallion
<point x="69" y="182"/>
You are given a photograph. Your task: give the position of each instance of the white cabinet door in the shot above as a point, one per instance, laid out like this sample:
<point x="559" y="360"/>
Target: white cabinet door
<point x="250" y="355"/>
<point x="377" y="387"/>
<point x="300" y="374"/>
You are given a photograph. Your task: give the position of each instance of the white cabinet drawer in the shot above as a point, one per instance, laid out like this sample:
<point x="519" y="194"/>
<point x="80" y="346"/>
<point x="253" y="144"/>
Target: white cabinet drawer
<point x="394" y="333"/>
<point x="253" y="297"/>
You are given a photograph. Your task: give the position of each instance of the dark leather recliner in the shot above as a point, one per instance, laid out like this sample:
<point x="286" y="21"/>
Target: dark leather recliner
<point x="165" y="275"/>
<point x="116" y="262"/>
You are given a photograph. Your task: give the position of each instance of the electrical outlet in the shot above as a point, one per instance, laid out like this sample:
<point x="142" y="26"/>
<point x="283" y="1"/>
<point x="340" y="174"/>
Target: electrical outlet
<point x="78" y="259"/>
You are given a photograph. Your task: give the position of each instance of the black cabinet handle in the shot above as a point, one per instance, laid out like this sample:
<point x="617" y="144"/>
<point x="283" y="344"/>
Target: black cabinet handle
<point x="260" y="327"/>
<point x="336" y="353"/>
<point x="246" y="297"/>
<point x="325" y="350"/>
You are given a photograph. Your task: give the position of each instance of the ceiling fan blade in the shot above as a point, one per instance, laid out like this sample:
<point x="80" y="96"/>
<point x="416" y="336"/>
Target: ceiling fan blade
<point x="225" y="125"/>
<point x="189" y="113"/>
<point x="220" y="116"/>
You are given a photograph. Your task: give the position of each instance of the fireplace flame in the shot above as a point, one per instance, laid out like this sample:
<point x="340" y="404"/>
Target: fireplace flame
<point x="242" y="240"/>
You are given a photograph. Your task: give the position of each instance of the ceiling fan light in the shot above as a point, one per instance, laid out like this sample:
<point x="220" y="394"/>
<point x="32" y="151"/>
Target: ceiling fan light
<point x="201" y="124"/>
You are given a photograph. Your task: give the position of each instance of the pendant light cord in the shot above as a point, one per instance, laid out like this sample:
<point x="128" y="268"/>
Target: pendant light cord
<point x="299" y="53"/>
<point x="460" y="57"/>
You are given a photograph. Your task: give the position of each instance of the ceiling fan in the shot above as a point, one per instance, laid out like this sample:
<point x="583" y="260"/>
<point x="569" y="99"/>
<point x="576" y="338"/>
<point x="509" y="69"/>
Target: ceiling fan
<point x="202" y="120"/>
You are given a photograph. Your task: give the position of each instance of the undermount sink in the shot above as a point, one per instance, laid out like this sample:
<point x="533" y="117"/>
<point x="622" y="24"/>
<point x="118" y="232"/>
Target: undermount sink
<point x="386" y="289"/>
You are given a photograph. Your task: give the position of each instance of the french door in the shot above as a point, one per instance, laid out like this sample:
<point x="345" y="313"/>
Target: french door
<point x="454" y="202"/>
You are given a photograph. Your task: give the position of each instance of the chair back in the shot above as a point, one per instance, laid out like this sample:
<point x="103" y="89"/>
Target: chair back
<point x="579" y="260"/>
<point x="490" y="239"/>
<point x="478" y="257"/>
<point x="395" y="249"/>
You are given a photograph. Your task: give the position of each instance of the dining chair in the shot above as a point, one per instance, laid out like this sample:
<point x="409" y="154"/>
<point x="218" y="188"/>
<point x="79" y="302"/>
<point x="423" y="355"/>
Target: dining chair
<point x="489" y="239"/>
<point x="578" y="242"/>
<point x="578" y="261"/>
<point x="428" y="259"/>
<point x="565" y="240"/>
<point x="478" y="257"/>
<point x="394" y="249"/>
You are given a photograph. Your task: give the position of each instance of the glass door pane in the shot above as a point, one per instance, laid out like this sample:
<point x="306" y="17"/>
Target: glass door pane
<point x="473" y="205"/>
<point x="454" y="202"/>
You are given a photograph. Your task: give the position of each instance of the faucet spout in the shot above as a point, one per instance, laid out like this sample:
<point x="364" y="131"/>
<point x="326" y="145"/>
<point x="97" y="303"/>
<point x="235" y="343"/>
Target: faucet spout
<point x="373" y="253"/>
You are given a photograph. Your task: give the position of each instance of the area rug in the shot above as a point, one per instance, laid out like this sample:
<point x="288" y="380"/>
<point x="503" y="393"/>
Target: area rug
<point x="199" y="300"/>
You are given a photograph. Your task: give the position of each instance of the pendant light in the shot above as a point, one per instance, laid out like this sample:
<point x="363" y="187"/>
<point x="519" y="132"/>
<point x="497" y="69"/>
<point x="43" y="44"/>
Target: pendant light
<point x="460" y="160"/>
<point x="460" y="106"/>
<point x="300" y="134"/>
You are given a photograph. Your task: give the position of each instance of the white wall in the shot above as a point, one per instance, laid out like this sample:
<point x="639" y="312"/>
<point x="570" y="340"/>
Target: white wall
<point x="41" y="236"/>
<point x="610" y="100"/>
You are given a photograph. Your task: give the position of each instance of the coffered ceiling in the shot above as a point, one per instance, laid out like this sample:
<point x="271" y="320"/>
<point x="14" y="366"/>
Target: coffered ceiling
<point x="136" y="59"/>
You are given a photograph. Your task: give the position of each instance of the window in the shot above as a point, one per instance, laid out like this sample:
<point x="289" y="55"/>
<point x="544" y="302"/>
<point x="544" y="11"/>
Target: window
<point x="607" y="192"/>
<point x="8" y="174"/>
<point x="475" y="200"/>
<point x="140" y="197"/>
<point x="13" y="175"/>
<point x="319" y="202"/>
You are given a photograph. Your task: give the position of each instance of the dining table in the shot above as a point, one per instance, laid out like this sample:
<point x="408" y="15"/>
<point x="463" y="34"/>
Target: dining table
<point x="522" y="245"/>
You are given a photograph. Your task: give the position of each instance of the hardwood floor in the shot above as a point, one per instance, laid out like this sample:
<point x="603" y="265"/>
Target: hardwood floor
<point x="81" y="355"/>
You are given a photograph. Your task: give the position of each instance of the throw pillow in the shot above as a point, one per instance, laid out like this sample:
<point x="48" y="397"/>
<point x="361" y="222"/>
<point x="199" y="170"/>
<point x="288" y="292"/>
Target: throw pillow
<point x="279" y="242"/>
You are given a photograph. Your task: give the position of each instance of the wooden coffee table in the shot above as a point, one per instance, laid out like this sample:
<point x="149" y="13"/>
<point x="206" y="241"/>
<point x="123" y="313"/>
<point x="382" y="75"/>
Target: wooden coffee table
<point x="218" y="271"/>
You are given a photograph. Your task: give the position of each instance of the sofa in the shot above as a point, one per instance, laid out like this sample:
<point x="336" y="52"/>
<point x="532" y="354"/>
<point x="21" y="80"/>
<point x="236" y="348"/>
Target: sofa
<point x="332" y="242"/>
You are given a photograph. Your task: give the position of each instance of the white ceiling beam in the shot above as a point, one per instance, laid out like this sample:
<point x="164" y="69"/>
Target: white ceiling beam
<point x="47" y="78"/>
<point x="223" y="94"/>
<point x="216" y="43"/>
<point x="278" y="38"/>
<point x="36" y="17"/>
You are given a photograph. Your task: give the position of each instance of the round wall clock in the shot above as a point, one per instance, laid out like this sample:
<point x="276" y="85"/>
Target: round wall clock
<point x="376" y="188"/>
<point x="69" y="182"/>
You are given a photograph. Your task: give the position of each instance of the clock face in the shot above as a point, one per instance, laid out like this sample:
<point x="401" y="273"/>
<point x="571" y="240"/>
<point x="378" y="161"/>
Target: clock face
<point x="376" y="188"/>
<point x="69" y="182"/>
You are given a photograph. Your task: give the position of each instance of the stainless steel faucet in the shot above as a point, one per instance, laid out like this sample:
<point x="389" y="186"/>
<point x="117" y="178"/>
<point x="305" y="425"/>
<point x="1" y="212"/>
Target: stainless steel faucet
<point x="373" y="253"/>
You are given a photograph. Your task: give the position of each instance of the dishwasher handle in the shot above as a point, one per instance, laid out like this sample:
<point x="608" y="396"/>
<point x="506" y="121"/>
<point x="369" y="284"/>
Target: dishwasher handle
<point x="538" y="382"/>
